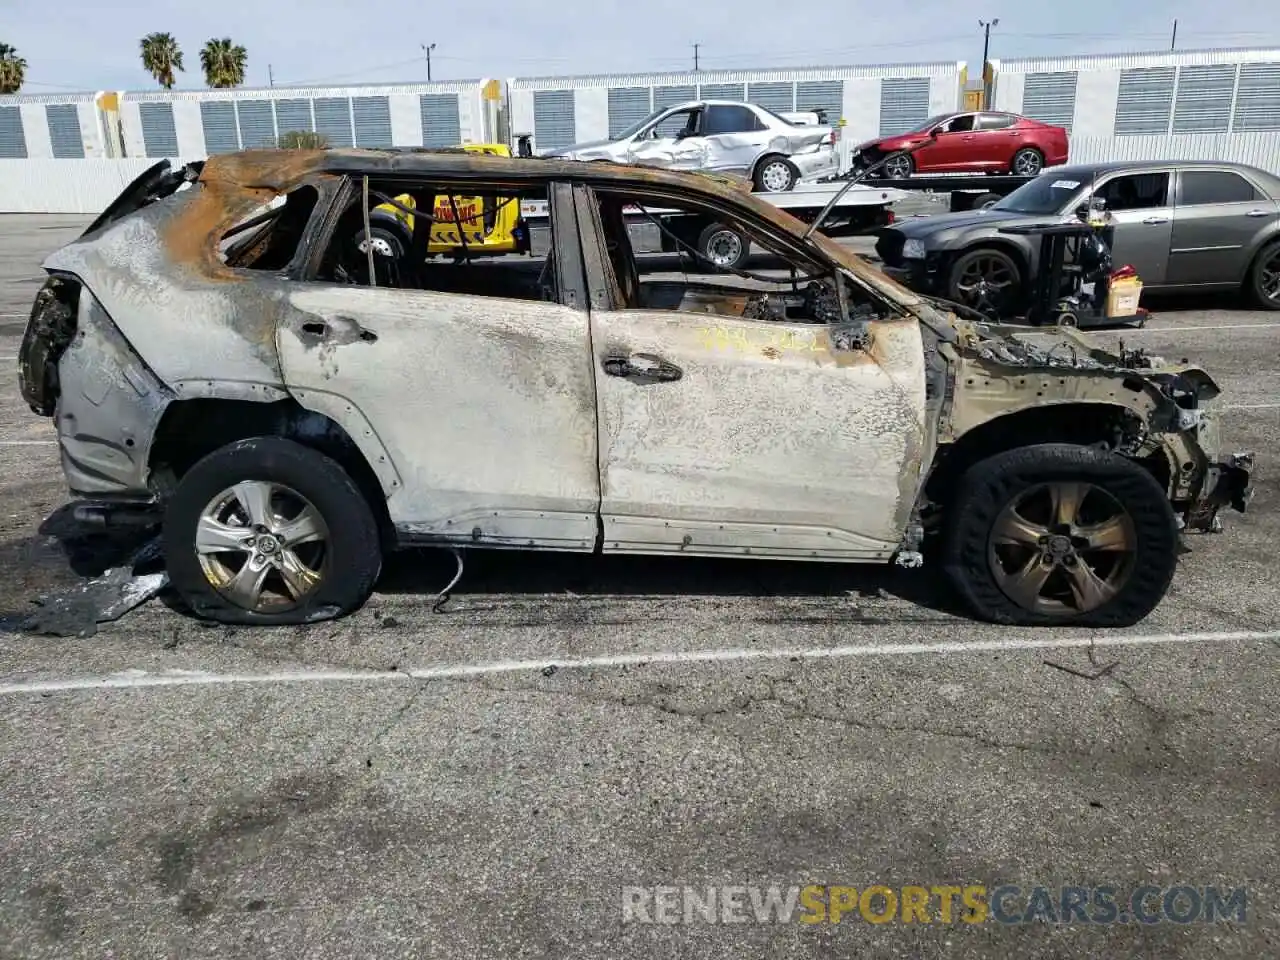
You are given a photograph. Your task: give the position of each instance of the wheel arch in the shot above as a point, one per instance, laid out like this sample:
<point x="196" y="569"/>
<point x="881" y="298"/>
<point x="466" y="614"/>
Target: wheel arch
<point x="1087" y="423"/>
<point x="192" y="428"/>
<point x="1261" y="245"/>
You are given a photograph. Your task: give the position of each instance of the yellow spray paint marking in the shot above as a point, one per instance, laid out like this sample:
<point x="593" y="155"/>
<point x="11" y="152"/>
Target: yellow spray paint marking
<point x="770" y="342"/>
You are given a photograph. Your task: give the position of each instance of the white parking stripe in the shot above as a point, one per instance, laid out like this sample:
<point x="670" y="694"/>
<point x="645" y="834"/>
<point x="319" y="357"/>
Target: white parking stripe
<point x="1192" y="328"/>
<point x="28" y="443"/>
<point x="1250" y="406"/>
<point x="180" y="678"/>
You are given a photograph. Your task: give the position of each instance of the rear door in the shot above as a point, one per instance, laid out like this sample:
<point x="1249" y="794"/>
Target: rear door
<point x="1216" y="216"/>
<point x="995" y="140"/>
<point x="734" y="136"/>
<point x="1141" y="206"/>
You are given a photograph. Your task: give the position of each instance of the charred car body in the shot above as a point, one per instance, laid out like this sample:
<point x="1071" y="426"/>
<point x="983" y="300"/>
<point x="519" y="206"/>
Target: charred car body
<point x="215" y="349"/>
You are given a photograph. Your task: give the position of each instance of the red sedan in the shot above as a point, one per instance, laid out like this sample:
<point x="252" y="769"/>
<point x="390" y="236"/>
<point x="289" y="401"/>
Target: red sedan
<point x="986" y="142"/>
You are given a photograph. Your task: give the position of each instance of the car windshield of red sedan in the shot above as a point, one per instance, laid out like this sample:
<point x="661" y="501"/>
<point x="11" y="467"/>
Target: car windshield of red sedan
<point x="1045" y="194"/>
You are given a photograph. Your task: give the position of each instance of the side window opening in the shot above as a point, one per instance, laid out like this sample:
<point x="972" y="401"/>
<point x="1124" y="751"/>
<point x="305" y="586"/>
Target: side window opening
<point x="1138" y="191"/>
<point x="268" y="238"/>
<point x="471" y="240"/>
<point x="1205" y="187"/>
<point x="655" y="258"/>
<point x="961" y="124"/>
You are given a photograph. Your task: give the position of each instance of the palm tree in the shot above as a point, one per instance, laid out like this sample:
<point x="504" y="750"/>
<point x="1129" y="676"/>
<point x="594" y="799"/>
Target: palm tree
<point x="13" y="69"/>
<point x="223" y="63"/>
<point x="161" y="56"/>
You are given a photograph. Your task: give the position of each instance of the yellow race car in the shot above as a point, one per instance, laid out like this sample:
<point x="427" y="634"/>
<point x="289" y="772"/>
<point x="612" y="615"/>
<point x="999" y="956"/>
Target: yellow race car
<point x="491" y="224"/>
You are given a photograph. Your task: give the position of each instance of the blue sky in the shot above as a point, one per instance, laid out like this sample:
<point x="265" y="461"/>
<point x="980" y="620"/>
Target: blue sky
<point x="78" y="45"/>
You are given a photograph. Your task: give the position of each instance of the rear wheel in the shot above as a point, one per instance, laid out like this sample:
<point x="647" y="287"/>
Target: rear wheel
<point x="1027" y="162"/>
<point x="1264" y="277"/>
<point x="268" y="531"/>
<point x="1060" y="534"/>
<point x="776" y="174"/>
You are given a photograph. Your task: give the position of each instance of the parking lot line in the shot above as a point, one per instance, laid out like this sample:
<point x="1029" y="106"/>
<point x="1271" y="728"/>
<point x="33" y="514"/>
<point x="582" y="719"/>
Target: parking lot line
<point x="133" y="679"/>
<point x="1193" y="328"/>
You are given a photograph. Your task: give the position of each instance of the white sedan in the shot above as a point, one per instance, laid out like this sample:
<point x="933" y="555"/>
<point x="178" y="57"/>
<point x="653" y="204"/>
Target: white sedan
<point x="721" y="136"/>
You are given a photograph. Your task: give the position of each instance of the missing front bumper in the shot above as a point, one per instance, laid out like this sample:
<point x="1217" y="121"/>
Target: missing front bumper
<point x="1229" y="483"/>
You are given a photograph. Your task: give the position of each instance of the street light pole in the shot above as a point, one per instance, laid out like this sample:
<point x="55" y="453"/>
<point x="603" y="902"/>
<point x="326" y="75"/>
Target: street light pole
<point x="427" y="50"/>
<point x="986" y="47"/>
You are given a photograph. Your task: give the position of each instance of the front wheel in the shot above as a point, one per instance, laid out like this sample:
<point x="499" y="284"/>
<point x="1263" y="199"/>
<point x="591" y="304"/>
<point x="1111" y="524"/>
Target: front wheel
<point x="898" y="167"/>
<point x="268" y="531"/>
<point x="776" y="174"/>
<point x="1057" y="534"/>
<point x="986" y="279"/>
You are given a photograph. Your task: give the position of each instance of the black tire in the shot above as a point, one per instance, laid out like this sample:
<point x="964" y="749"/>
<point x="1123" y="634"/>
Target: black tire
<point x="984" y="200"/>
<point x="775" y="161"/>
<point x="353" y="551"/>
<point x="390" y="232"/>
<point x="1264" y="272"/>
<point x="990" y="486"/>
<point x="718" y="233"/>
<point x="1006" y="303"/>
<point x="1027" y="158"/>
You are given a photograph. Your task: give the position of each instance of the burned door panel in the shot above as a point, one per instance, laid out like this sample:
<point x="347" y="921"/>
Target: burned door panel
<point x="739" y="436"/>
<point x="485" y="406"/>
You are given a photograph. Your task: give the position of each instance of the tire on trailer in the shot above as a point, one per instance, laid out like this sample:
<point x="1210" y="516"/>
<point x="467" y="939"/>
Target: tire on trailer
<point x="277" y="481"/>
<point x="1058" y="534"/>
<point x="779" y="172"/>
<point x="984" y="200"/>
<point x="723" y="246"/>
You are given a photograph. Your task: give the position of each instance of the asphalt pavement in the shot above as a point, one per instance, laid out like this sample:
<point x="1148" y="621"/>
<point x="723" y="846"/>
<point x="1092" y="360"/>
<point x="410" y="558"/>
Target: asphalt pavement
<point x="489" y="780"/>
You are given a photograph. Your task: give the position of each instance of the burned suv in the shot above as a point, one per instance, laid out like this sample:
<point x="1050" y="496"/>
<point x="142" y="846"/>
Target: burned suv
<point x="216" y="349"/>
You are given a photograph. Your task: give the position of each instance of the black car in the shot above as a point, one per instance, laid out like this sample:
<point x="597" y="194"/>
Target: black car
<point x="1183" y="225"/>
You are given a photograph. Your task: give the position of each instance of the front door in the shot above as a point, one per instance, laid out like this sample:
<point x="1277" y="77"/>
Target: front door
<point x="473" y="398"/>
<point x="725" y="435"/>
<point x="674" y="142"/>
<point x="952" y="149"/>
<point x="1142" y="213"/>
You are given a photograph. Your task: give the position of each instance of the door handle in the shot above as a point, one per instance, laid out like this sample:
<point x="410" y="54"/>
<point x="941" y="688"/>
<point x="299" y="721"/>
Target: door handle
<point x="1259" y="213"/>
<point x="1154" y="220"/>
<point x="326" y="331"/>
<point x="642" y="368"/>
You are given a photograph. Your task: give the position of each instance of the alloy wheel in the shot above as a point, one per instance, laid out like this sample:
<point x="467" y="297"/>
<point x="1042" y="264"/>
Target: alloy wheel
<point x="899" y="168"/>
<point x="987" y="279"/>
<point x="1026" y="163"/>
<point x="1269" y="279"/>
<point x="776" y="176"/>
<point x="1062" y="548"/>
<point x="262" y="546"/>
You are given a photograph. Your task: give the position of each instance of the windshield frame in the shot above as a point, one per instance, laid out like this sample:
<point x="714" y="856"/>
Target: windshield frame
<point x="935" y="121"/>
<point x="633" y="131"/>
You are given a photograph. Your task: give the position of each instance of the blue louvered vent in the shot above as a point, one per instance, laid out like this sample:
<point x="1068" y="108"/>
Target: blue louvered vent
<point x="1050" y="97"/>
<point x="13" y="141"/>
<point x="904" y="104"/>
<point x="294" y="116"/>
<point x="670" y="96"/>
<point x="778" y="97"/>
<point x="1145" y="102"/>
<point x="257" y="124"/>
<point x="1258" y="98"/>
<point x="721" y="91"/>
<point x="441" y="125"/>
<point x="64" y="131"/>
<point x="372" y="121"/>
<point x="553" y="123"/>
<point x="159" y="138"/>
<point x="627" y="105"/>
<point x="333" y="120"/>
<point x="218" y="117"/>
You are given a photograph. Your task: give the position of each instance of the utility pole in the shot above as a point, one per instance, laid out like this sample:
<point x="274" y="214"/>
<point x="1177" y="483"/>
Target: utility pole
<point x="986" y="48"/>
<point x="427" y="50"/>
<point x="271" y="77"/>
<point x="1174" y="41"/>
<point x="695" y="57"/>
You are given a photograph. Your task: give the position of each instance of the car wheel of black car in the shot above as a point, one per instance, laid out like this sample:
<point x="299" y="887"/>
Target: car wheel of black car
<point x="898" y="168"/>
<point x="1027" y="162"/>
<point x="268" y="531"/>
<point x="1060" y="534"/>
<point x="775" y="174"/>
<point x="724" y="246"/>
<point x="1264" y="277"/>
<point x="986" y="279"/>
